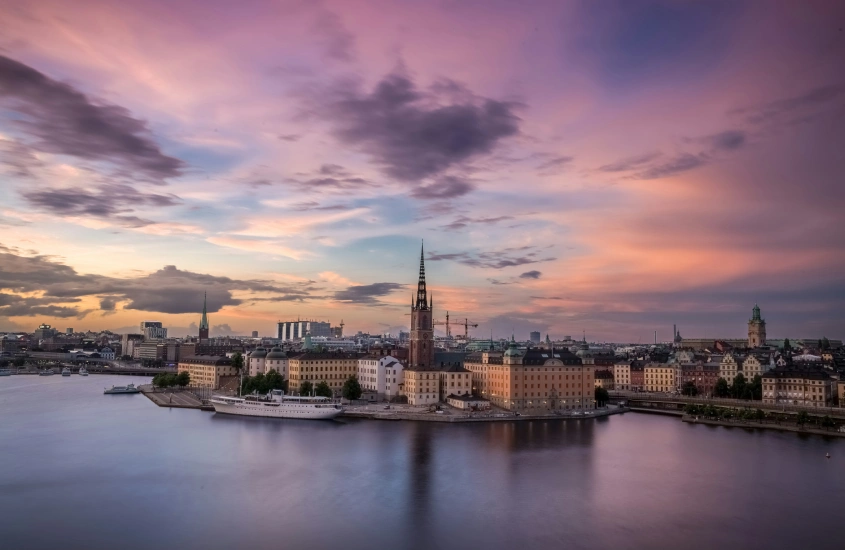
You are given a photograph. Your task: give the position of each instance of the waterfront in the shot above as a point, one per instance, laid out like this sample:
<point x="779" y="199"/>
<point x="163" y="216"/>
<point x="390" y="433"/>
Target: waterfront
<point x="82" y="470"/>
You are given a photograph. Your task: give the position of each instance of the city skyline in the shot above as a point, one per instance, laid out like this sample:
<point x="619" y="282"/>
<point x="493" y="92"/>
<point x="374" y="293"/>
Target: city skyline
<point x="615" y="170"/>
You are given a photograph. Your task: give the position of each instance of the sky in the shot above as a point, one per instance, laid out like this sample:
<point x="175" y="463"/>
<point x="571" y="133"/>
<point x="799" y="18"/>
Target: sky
<point x="601" y="167"/>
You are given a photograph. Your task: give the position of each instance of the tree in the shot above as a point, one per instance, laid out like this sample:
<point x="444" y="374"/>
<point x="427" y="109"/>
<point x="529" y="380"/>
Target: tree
<point x="738" y="386"/>
<point x="306" y="387"/>
<point x="183" y="378"/>
<point x="352" y="388"/>
<point x="323" y="389"/>
<point x="803" y="418"/>
<point x="237" y="362"/>
<point x="690" y="389"/>
<point x="786" y="345"/>
<point x="825" y="344"/>
<point x="276" y="381"/>
<point x="721" y="389"/>
<point x="756" y="387"/>
<point x="759" y="415"/>
<point x="601" y="396"/>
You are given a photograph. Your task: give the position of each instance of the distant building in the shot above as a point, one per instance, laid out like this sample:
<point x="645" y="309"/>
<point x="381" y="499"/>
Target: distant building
<point x="107" y="353"/>
<point x="421" y="379"/>
<point x="296" y="330"/>
<point x="535" y="337"/>
<point x="604" y="379"/>
<point x="255" y="334"/>
<point x="43" y="332"/>
<point x="315" y="367"/>
<point x="637" y="376"/>
<point x="756" y="329"/>
<point x="382" y="374"/>
<point x="153" y="330"/>
<point x="622" y="375"/>
<point x="68" y="331"/>
<point x="703" y="375"/>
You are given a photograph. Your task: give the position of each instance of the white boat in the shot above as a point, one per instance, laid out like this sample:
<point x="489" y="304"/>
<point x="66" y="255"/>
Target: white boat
<point x="46" y="372"/>
<point x="66" y="372"/>
<point x="83" y="371"/>
<point x="277" y="405"/>
<point x="130" y="388"/>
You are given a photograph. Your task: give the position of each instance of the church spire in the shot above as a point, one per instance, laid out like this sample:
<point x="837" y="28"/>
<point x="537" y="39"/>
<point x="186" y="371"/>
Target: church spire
<point x="421" y="292"/>
<point x="203" y="332"/>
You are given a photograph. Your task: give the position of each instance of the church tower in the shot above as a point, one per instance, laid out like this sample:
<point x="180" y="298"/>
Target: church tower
<point x="421" y="350"/>
<point x="204" y="320"/>
<point x="756" y="329"/>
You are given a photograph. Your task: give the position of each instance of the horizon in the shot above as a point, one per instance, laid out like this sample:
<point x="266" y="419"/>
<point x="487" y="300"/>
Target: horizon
<point x="614" y="169"/>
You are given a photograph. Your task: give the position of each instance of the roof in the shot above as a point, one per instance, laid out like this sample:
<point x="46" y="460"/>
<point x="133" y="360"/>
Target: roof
<point x="276" y="353"/>
<point x="217" y="360"/>
<point x="452" y="367"/>
<point x="466" y="398"/>
<point x="604" y="375"/>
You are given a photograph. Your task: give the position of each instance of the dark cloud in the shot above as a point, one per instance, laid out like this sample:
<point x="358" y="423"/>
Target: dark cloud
<point x="18" y="160"/>
<point x="366" y="294"/>
<point x="629" y="163"/>
<point x="554" y="166"/>
<point x="290" y="137"/>
<point x="781" y="109"/>
<point x="727" y="141"/>
<point x="530" y="275"/>
<point x="168" y="290"/>
<point x="109" y="201"/>
<point x="448" y="187"/>
<point x="338" y="43"/>
<point x="410" y="134"/>
<point x="681" y="163"/>
<point x="332" y="170"/>
<point x="63" y="120"/>
<point x="314" y="205"/>
<point x="463" y="221"/>
<point x="12" y="305"/>
<point x="507" y="257"/>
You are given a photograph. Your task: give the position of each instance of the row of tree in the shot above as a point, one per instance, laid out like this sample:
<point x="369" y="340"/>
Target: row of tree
<point x="170" y="380"/>
<point x="17" y="361"/>
<point x="263" y="383"/>
<point x="727" y="413"/>
<point x="740" y="388"/>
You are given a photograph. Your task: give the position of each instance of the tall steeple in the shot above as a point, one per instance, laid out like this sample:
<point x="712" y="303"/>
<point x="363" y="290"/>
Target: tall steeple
<point x="204" y="320"/>
<point x="422" y="302"/>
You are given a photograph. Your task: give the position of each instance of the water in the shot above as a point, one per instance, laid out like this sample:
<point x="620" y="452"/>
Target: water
<point x="82" y="470"/>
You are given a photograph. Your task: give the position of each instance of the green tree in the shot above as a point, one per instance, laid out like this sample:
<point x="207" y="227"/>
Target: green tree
<point x="689" y="388"/>
<point x="352" y="388"/>
<point x="237" y="361"/>
<point x="276" y="381"/>
<point x="183" y="378"/>
<point x="323" y="389"/>
<point x="759" y="415"/>
<point x="756" y="387"/>
<point x="825" y="344"/>
<point x="601" y="396"/>
<point x="721" y="389"/>
<point x="306" y="387"/>
<point x="786" y="345"/>
<point x="802" y="418"/>
<point x="738" y="386"/>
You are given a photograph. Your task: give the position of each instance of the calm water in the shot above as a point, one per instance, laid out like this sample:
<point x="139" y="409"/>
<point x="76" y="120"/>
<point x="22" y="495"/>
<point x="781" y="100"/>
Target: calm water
<point x="82" y="470"/>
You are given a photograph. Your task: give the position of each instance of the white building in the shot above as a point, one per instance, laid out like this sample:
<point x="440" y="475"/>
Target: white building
<point x="332" y="344"/>
<point x="296" y="330"/>
<point x="382" y="374"/>
<point x="260" y="361"/>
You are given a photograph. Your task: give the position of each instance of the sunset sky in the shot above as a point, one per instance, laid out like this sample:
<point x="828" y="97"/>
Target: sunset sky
<point x="608" y="167"/>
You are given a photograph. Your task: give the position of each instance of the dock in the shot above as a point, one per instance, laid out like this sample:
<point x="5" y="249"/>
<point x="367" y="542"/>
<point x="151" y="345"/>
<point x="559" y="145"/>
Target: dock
<point x="176" y="399"/>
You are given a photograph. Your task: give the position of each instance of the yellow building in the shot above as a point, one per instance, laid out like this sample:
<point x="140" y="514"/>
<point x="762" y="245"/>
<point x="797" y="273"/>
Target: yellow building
<point x="659" y="377"/>
<point x="604" y="379"/>
<point x="206" y="370"/>
<point x="332" y="367"/>
<point x="622" y="375"/>
<point x="805" y="387"/>
<point x="422" y="386"/>
<point x="532" y="381"/>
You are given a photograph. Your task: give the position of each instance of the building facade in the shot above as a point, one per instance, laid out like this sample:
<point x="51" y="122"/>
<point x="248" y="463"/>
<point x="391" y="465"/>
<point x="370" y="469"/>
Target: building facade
<point x="604" y="379"/>
<point x="622" y="375"/>
<point x="153" y="330"/>
<point x="288" y="331"/>
<point x="791" y="386"/>
<point x="703" y="375"/>
<point x="382" y="374"/>
<point x="332" y="367"/>
<point x="659" y="377"/>
<point x="532" y="381"/>
<point x="206" y="370"/>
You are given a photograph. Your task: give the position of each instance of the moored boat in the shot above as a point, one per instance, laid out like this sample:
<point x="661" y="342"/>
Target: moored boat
<point x="46" y="372"/>
<point x="5" y="372"/>
<point x="66" y="372"/>
<point x="129" y="388"/>
<point x="83" y="371"/>
<point x="277" y="405"/>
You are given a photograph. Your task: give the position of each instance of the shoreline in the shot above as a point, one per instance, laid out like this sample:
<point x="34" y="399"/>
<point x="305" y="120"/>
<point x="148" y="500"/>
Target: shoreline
<point x="745" y="424"/>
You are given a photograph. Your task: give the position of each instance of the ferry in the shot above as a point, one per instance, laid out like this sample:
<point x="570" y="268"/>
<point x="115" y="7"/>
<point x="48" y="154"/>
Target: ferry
<point x="277" y="405"/>
<point x="122" y="389"/>
<point x="66" y="371"/>
<point x="83" y="371"/>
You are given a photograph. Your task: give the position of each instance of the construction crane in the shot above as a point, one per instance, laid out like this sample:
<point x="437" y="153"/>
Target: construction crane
<point x="448" y="328"/>
<point x="467" y="324"/>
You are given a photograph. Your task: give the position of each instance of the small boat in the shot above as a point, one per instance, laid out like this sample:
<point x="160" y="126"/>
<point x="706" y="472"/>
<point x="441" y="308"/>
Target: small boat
<point x="46" y="372"/>
<point x="66" y="372"/>
<point x="827" y="455"/>
<point x="130" y="388"/>
<point x="5" y="372"/>
<point x="83" y="371"/>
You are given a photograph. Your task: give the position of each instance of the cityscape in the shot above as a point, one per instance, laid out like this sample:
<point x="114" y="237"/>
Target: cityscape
<point x="383" y="274"/>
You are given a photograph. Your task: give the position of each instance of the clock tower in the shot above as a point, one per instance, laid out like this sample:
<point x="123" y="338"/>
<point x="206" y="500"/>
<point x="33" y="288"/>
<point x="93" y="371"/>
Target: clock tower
<point x="421" y="350"/>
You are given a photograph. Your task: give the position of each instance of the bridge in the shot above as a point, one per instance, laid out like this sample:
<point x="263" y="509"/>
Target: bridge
<point x="674" y="404"/>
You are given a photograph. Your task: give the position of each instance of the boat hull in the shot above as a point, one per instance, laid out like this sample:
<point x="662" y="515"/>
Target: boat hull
<point x="303" y="412"/>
